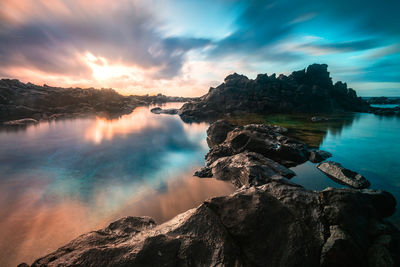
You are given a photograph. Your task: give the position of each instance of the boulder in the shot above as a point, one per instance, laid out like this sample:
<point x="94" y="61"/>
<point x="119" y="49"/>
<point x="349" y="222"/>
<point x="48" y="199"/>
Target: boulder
<point x="276" y="224"/>
<point x="260" y="138"/>
<point x="204" y="172"/>
<point x="317" y="156"/>
<point x="248" y="169"/>
<point x="338" y="173"/>
<point x="216" y="133"/>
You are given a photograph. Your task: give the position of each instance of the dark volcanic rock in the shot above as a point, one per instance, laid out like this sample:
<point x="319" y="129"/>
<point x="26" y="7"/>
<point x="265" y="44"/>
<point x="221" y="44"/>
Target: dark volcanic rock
<point x="307" y="91"/>
<point x="204" y="172"/>
<point x="317" y="156"/>
<point x="248" y="169"/>
<point x="216" y="133"/>
<point x="260" y="138"/>
<point x="158" y="110"/>
<point x="25" y="100"/>
<point x="345" y="176"/>
<point x="277" y="224"/>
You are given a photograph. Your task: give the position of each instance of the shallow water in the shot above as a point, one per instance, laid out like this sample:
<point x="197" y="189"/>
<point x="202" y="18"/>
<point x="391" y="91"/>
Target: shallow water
<point x="384" y="105"/>
<point x="61" y="179"/>
<point x="64" y="178"/>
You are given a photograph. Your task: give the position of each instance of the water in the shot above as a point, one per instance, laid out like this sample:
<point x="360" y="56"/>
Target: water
<point x="64" y="178"/>
<point x="384" y="105"/>
<point x="61" y="179"/>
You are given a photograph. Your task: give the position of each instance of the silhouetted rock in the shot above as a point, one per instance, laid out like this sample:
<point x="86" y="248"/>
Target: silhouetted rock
<point x="19" y="101"/>
<point x="345" y="176"/>
<point x="307" y="91"/>
<point x="276" y="224"/>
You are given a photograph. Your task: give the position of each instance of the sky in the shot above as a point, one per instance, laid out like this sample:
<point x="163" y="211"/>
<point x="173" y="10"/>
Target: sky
<point x="181" y="48"/>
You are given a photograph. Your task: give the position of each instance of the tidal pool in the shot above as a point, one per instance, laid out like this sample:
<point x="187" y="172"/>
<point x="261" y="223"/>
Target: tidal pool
<point x="63" y="178"/>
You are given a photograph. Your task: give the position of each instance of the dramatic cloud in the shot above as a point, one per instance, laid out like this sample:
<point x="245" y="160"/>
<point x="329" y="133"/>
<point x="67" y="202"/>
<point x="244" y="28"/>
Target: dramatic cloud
<point x="182" y="47"/>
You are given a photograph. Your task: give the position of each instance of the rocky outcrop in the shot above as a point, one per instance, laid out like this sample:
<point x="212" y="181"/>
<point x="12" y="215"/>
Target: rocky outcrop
<point x="308" y="91"/>
<point x="342" y="175"/>
<point x="170" y="111"/>
<point x="382" y="100"/>
<point x="253" y="154"/>
<point x="25" y="100"/>
<point x="21" y="122"/>
<point x="276" y="224"/>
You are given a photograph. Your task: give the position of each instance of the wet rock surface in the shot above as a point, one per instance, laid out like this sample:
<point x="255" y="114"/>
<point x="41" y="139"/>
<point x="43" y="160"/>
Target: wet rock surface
<point x="276" y="224"/>
<point x="159" y="110"/>
<point x="307" y="91"/>
<point x="344" y="176"/>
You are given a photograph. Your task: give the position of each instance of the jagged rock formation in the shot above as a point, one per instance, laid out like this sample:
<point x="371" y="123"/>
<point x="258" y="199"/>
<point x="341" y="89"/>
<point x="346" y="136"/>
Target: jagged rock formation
<point x="277" y="224"/>
<point x="28" y="101"/>
<point x="307" y="91"/>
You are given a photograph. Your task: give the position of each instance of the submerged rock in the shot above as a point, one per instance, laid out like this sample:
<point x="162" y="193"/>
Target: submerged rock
<point x="277" y="224"/>
<point x="342" y="175"/>
<point x="159" y="110"/>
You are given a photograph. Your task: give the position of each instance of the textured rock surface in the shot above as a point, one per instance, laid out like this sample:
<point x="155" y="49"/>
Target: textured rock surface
<point x="260" y="138"/>
<point x="277" y="224"/>
<point x="345" y="176"/>
<point x="248" y="169"/>
<point x="159" y="110"/>
<point x="310" y="91"/>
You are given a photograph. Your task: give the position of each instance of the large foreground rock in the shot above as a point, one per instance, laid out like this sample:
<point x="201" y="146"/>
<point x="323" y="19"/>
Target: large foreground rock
<point x="277" y="224"/>
<point x="308" y="91"/>
<point x="342" y="175"/>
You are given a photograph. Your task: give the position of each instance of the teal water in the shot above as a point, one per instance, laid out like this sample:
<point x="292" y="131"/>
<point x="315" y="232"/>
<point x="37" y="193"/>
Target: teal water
<point x="370" y="146"/>
<point x="384" y="105"/>
<point x="64" y="178"/>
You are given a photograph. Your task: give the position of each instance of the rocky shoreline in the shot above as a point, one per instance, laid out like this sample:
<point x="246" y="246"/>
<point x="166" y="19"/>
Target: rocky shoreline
<point x="268" y="221"/>
<point x="25" y="103"/>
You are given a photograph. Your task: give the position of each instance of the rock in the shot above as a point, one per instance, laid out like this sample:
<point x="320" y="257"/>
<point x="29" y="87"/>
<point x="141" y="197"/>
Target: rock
<point x="304" y="91"/>
<point x="204" y="172"/>
<point x="318" y="119"/>
<point x="317" y="156"/>
<point x="276" y="224"/>
<point x="20" y="122"/>
<point x="248" y="169"/>
<point x="158" y="110"/>
<point x="260" y="138"/>
<point x="338" y="173"/>
<point x="216" y="133"/>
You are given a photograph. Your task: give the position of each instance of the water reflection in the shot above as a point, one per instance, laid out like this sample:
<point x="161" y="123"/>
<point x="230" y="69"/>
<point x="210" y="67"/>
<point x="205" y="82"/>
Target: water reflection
<point x="63" y="178"/>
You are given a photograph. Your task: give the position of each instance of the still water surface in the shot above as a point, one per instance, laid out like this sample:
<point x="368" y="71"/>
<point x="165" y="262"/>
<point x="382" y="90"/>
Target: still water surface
<point x="64" y="178"/>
